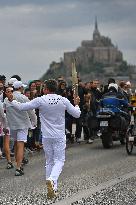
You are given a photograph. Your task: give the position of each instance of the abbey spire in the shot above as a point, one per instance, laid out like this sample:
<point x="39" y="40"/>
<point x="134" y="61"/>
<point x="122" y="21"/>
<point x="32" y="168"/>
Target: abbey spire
<point x="96" y="33"/>
<point x="96" y="25"/>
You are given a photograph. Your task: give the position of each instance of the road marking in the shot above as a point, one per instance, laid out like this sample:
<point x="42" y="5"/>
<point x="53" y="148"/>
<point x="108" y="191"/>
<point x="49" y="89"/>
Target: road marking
<point x="88" y="192"/>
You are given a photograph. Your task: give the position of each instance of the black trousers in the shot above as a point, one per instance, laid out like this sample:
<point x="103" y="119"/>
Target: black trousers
<point x="1" y="142"/>
<point x="79" y="125"/>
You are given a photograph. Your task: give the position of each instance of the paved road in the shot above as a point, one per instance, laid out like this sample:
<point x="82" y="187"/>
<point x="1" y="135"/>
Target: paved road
<point x="87" y="167"/>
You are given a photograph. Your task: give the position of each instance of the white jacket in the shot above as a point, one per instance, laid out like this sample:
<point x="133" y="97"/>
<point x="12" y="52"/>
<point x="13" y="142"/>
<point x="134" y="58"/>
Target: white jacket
<point x="52" y="109"/>
<point x="19" y="119"/>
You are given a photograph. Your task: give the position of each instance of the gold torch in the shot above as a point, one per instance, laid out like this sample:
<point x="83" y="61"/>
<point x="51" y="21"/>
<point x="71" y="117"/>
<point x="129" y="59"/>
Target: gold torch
<point x="74" y="79"/>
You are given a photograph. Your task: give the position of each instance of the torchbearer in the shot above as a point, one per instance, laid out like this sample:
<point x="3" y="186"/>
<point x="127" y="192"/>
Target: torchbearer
<point x="52" y="109"/>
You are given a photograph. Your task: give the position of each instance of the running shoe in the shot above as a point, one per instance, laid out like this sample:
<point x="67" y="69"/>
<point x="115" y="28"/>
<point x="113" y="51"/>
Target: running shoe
<point x="25" y="161"/>
<point x="10" y="165"/>
<point x="19" y="172"/>
<point x="50" y="189"/>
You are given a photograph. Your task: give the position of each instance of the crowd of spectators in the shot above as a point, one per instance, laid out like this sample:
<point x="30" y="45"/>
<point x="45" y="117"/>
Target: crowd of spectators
<point x="90" y="94"/>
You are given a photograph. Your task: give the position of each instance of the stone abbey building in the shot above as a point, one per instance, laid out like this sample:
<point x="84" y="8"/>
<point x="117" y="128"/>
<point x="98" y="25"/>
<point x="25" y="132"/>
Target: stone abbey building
<point x="100" y="50"/>
<point x="97" y="58"/>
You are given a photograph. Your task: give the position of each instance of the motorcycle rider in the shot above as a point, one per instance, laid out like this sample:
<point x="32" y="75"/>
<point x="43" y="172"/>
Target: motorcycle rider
<point x="117" y="102"/>
<point x="114" y="99"/>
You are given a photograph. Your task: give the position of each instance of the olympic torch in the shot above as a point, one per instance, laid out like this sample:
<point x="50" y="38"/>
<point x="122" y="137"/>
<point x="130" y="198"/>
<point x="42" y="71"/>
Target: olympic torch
<point x="74" y="79"/>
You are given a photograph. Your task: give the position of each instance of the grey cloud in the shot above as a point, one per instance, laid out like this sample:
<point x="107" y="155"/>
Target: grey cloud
<point x="33" y="33"/>
<point x="59" y="14"/>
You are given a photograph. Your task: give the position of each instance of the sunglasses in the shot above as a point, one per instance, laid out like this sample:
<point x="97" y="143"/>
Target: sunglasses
<point x="9" y="91"/>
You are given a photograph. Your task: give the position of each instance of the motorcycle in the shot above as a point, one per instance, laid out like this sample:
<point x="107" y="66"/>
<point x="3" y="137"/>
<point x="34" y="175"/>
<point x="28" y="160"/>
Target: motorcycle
<point x="112" y="126"/>
<point x="131" y="132"/>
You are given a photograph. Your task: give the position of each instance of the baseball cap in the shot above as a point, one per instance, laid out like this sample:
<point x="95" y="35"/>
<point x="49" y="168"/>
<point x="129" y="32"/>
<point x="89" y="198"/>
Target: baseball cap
<point x="11" y="81"/>
<point x="18" y="84"/>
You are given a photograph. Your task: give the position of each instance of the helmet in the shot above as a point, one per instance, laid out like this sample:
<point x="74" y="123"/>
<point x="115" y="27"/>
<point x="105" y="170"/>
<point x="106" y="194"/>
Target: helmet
<point x="113" y="85"/>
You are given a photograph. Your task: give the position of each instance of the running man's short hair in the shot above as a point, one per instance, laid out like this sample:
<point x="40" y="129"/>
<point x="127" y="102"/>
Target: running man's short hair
<point x="51" y="85"/>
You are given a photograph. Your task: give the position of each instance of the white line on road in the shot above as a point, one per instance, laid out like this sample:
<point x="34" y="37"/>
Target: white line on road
<point x="93" y="190"/>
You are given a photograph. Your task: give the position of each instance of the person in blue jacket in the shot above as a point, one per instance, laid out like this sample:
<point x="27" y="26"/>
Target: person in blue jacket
<point x="115" y="100"/>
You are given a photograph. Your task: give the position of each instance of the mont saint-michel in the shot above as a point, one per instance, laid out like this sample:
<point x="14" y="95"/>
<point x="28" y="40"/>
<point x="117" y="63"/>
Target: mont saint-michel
<point x="96" y="58"/>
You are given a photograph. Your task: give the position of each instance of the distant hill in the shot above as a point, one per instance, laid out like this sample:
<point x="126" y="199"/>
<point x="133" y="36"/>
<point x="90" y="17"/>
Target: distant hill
<point x="97" y="58"/>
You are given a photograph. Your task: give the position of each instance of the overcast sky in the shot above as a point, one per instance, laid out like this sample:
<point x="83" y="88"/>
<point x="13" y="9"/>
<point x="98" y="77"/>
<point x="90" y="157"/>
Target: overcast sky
<point x="33" y="33"/>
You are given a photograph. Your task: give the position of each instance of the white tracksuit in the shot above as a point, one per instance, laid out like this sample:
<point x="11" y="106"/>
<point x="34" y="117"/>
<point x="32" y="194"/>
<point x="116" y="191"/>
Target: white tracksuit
<point x="52" y="109"/>
<point x="19" y="121"/>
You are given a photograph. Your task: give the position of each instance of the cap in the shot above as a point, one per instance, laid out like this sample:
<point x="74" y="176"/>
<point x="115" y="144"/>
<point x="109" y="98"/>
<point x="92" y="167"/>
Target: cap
<point x="18" y="84"/>
<point x="11" y="81"/>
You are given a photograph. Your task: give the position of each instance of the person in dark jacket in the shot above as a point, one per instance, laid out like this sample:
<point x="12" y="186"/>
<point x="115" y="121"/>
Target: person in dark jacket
<point x="79" y="121"/>
<point x="94" y="103"/>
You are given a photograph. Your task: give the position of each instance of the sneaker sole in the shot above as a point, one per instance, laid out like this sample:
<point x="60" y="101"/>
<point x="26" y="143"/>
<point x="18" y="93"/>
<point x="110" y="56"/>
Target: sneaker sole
<point x="9" y="167"/>
<point x="17" y="175"/>
<point x="51" y="194"/>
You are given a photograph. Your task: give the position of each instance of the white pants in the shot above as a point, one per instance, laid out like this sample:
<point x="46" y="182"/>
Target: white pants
<point x="55" y="157"/>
